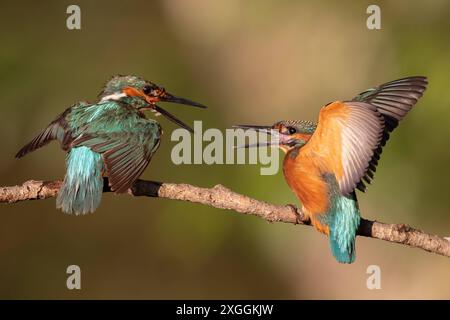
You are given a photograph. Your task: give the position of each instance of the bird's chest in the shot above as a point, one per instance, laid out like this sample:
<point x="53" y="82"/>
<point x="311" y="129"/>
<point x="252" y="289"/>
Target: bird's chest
<point x="304" y="175"/>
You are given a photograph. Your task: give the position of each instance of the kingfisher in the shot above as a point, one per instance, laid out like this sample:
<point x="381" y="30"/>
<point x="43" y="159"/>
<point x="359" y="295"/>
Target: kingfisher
<point x="325" y="162"/>
<point x="109" y="138"/>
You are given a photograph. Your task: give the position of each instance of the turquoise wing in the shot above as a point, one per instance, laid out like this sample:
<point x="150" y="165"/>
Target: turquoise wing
<point x="126" y="154"/>
<point x="125" y="139"/>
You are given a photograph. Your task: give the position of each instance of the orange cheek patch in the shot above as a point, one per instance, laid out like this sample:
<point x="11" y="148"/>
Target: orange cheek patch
<point x="132" y="92"/>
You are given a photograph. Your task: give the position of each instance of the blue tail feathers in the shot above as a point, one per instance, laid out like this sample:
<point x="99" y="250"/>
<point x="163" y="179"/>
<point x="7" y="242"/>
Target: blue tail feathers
<point x="82" y="188"/>
<point x="343" y="221"/>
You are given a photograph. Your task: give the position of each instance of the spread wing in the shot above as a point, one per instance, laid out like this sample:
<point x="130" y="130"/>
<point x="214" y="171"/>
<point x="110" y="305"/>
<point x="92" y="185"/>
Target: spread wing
<point x="346" y="137"/>
<point x="56" y="130"/>
<point x="50" y="133"/>
<point x="392" y="100"/>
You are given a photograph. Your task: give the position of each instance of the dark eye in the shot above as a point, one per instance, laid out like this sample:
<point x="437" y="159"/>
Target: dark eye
<point x="292" y="130"/>
<point x="147" y="89"/>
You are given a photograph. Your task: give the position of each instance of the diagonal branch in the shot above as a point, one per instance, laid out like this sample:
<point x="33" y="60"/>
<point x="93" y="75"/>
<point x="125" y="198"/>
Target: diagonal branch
<point x="224" y="198"/>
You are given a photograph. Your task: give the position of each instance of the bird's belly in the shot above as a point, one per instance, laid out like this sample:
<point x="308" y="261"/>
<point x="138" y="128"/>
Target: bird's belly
<point x="305" y="178"/>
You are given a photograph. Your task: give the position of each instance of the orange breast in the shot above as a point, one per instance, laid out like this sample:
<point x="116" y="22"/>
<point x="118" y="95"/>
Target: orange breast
<point x="304" y="176"/>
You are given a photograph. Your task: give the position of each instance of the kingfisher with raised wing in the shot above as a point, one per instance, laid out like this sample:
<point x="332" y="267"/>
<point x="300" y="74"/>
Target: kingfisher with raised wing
<point x="111" y="138"/>
<point x="327" y="161"/>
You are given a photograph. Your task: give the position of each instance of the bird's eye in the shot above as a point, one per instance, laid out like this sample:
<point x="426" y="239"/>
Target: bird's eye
<point x="147" y="89"/>
<point x="292" y="130"/>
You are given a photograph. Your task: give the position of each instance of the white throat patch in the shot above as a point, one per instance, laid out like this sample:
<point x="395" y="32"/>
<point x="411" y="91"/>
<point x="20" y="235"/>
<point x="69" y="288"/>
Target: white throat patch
<point x="115" y="96"/>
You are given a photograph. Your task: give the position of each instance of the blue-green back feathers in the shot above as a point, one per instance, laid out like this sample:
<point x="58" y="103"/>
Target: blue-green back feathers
<point x="125" y="139"/>
<point x="126" y="154"/>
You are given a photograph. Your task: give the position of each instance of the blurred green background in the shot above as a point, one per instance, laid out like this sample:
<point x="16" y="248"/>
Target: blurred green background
<point x="250" y="62"/>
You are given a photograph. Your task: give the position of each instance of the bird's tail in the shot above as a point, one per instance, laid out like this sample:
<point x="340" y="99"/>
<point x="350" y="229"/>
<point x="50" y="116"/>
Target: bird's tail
<point x="343" y="223"/>
<point x="82" y="188"/>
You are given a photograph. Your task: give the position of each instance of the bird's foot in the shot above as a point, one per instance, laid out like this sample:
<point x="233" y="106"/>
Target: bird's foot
<point x="298" y="215"/>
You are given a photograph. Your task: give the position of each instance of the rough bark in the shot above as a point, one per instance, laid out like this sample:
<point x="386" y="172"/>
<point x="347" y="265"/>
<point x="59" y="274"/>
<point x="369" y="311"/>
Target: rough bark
<point x="224" y="198"/>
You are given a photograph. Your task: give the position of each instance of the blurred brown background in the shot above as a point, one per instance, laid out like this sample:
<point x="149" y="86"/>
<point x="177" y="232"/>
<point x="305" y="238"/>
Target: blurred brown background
<point x="250" y="62"/>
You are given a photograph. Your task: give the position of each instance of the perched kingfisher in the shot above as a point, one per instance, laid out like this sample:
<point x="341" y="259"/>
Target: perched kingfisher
<point x="111" y="137"/>
<point x="326" y="162"/>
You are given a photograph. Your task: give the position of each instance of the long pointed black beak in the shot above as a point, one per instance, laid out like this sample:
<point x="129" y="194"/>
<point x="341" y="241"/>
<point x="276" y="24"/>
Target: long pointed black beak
<point x="265" y="129"/>
<point x="172" y="118"/>
<point x="170" y="98"/>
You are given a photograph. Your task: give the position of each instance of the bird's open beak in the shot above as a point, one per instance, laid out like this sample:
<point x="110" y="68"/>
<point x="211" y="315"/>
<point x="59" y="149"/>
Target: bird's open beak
<point x="170" y="98"/>
<point x="167" y="97"/>
<point x="264" y="129"/>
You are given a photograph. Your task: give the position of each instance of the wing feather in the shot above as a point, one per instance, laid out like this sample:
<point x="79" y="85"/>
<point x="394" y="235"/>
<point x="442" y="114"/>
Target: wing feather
<point x="48" y="134"/>
<point x="347" y="136"/>
<point x="393" y="100"/>
<point x="56" y="130"/>
<point x="126" y="153"/>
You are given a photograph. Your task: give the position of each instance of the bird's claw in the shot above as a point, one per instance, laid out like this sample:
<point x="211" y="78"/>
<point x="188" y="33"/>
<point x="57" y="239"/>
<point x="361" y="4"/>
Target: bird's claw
<point x="298" y="216"/>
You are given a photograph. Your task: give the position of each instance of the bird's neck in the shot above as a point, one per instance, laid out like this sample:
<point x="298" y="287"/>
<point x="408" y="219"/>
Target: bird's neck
<point x="294" y="151"/>
<point x="135" y="102"/>
<point x="124" y="100"/>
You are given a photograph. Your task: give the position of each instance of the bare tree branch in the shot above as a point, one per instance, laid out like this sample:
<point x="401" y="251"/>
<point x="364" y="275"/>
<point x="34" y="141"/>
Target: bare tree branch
<point x="223" y="198"/>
